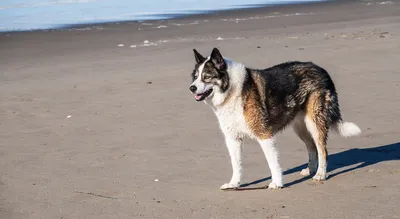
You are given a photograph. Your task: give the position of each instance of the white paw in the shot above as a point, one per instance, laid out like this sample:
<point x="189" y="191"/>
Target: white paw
<point x="305" y="172"/>
<point x="230" y="186"/>
<point x="319" y="177"/>
<point x="274" y="185"/>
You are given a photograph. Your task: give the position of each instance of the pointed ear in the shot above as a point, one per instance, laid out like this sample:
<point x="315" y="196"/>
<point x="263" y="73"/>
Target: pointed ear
<point x="217" y="59"/>
<point x="199" y="58"/>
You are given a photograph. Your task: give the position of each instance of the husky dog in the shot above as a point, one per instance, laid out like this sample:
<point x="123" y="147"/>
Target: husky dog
<point x="260" y="103"/>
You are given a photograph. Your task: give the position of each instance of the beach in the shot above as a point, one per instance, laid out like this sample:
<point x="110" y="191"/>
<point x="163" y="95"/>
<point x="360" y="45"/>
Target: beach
<point x="98" y="122"/>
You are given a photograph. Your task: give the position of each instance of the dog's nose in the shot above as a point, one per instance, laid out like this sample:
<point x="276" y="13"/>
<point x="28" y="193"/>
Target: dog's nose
<point x="193" y="88"/>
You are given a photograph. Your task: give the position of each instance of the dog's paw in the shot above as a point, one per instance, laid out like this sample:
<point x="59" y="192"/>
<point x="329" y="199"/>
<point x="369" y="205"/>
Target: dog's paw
<point x="319" y="177"/>
<point x="274" y="185"/>
<point x="230" y="186"/>
<point x="305" y="172"/>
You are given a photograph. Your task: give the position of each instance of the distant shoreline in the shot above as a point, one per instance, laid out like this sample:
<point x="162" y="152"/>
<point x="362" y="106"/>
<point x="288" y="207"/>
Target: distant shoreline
<point x="182" y="16"/>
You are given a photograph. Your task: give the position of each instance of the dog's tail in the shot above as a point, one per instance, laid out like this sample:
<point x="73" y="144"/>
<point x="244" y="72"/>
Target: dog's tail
<point x="346" y="129"/>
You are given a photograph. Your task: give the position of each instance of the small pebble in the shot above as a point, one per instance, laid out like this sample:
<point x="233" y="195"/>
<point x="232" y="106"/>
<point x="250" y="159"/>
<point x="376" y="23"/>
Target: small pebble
<point x="120" y="45"/>
<point x="258" y="47"/>
<point x="149" y="82"/>
<point x="69" y="116"/>
<point x="156" y="180"/>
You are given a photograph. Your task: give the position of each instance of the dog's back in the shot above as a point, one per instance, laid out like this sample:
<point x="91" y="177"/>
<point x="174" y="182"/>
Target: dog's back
<point x="301" y="93"/>
<point x="284" y="90"/>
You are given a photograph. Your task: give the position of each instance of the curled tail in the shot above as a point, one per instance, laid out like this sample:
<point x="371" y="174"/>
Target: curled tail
<point x="346" y="129"/>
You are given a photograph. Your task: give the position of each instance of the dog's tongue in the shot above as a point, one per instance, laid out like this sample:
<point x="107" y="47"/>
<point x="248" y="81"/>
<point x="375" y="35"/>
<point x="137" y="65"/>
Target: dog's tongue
<point x="198" y="96"/>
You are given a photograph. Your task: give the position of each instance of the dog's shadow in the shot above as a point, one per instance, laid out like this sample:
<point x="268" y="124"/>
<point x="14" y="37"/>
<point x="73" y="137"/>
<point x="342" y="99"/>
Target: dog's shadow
<point x="360" y="157"/>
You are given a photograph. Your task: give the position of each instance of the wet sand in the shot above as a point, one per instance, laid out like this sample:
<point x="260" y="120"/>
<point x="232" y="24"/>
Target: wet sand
<point x="98" y="121"/>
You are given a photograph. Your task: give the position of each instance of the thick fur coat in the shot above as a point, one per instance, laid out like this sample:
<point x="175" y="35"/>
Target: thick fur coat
<point x="259" y="103"/>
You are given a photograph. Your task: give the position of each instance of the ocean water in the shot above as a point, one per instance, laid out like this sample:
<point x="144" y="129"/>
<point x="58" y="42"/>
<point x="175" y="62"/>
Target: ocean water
<point x="20" y="15"/>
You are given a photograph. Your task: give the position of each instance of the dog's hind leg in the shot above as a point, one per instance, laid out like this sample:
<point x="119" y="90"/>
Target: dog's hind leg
<point x="269" y="149"/>
<point x="300" y="128"/>
<point x="317" y="123"/>
<point x="234" y="145"/>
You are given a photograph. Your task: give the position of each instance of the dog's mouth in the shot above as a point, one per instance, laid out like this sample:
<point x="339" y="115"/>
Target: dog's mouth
<point x="202" y="96"/>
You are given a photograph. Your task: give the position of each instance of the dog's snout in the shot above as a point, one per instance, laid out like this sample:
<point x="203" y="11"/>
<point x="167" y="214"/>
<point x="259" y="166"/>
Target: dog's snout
<point x="193" y="88"/>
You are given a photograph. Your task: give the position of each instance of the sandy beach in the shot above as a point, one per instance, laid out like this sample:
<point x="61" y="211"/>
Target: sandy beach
<point x="98" y="122"/>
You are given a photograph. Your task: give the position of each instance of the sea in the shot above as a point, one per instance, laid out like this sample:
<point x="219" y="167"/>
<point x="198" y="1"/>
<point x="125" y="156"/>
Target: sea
<point x="27" y="15"/>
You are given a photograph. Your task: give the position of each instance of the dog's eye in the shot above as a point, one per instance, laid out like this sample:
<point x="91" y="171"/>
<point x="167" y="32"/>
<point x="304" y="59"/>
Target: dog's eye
<point x="206" y="77"/>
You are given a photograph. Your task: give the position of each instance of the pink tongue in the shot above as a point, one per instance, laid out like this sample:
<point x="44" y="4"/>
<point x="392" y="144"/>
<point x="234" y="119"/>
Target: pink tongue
<point x="197" y="97"/>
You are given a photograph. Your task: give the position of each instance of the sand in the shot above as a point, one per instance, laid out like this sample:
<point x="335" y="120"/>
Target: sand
<point x="97" y="123"/>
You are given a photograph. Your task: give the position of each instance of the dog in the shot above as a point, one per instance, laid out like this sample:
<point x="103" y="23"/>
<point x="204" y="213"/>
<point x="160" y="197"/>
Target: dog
<point x="258" y="104"/>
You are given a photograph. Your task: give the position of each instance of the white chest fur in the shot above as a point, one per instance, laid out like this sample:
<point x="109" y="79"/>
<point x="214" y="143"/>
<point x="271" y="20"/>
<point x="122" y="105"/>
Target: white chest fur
<point x="231" y="119"/>
<point x="230" y="114"/>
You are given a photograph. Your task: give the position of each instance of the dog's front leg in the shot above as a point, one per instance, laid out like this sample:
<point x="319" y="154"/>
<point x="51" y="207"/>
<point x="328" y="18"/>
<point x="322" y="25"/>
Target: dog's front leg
<point x="234" y="145"/>
<point x="269" y="148"/>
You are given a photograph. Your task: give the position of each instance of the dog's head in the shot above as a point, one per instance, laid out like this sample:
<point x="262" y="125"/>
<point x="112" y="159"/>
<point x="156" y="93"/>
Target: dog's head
<point x="209" y="76"/>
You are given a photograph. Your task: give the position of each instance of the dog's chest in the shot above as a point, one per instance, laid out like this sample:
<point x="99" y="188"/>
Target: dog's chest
<point x="232" y="120"/>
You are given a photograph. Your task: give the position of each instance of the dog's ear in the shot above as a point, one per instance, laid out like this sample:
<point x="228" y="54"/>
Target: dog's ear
<point x="199" y="58"/>
<point x="217" y="59"/>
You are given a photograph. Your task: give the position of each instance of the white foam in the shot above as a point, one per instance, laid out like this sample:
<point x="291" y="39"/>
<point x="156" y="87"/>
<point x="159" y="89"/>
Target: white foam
<point x="148" y="43"/>
<point x="265" y="17"/>
<point x="386" y="3"/>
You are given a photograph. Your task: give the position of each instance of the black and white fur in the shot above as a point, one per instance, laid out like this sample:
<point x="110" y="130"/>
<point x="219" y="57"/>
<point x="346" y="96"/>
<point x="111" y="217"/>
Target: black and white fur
<point x="258" y="104"/>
